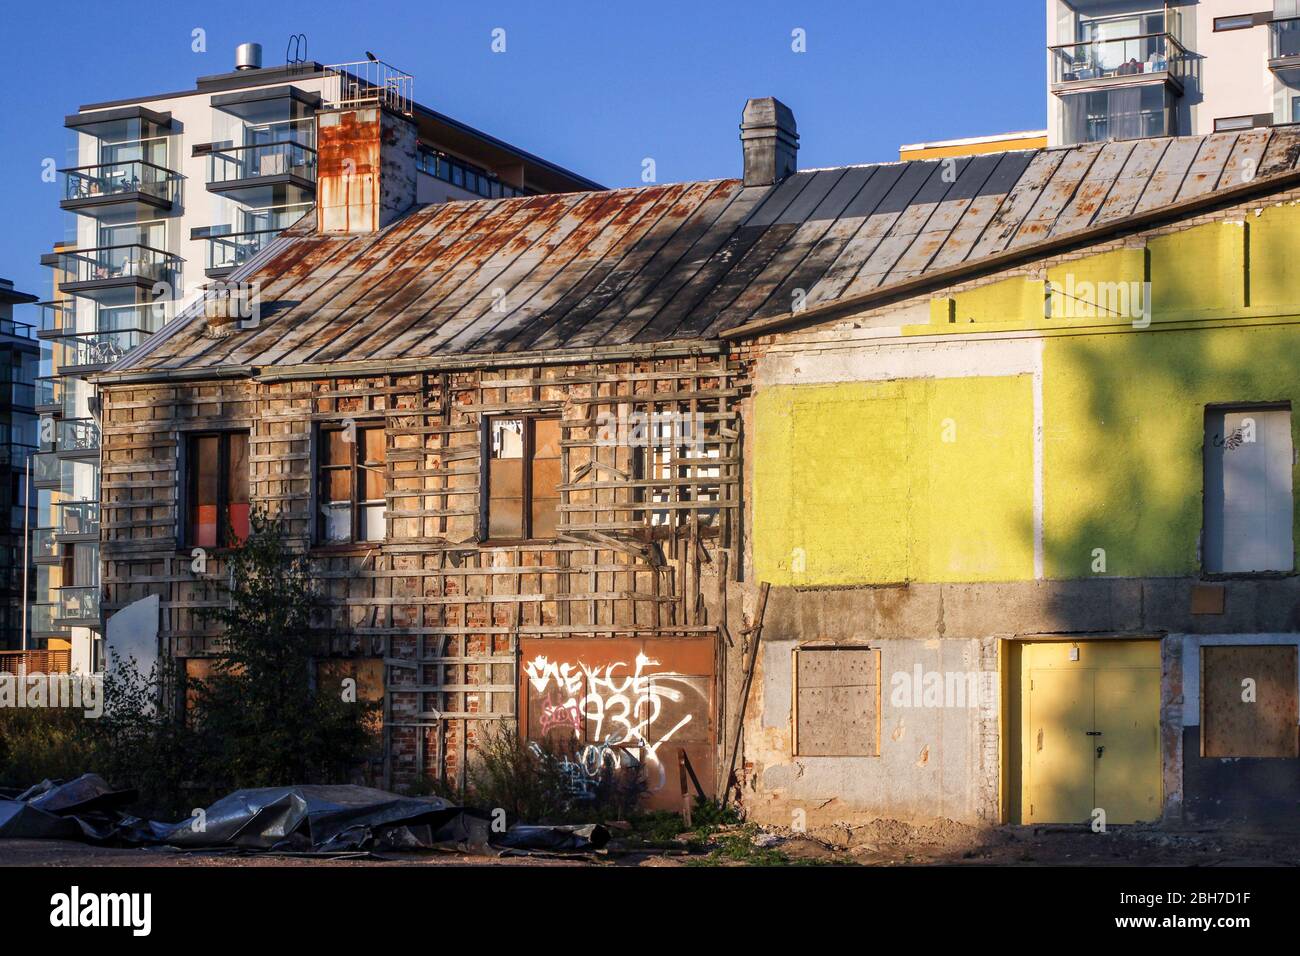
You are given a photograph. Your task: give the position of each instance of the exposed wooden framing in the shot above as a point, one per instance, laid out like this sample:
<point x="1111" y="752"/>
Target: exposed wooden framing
<point x="442" y="612"/>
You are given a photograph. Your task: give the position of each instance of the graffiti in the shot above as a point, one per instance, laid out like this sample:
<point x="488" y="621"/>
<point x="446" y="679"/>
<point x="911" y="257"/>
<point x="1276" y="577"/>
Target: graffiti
<point x="615" y="715"/>
<point x="589" y="766"/>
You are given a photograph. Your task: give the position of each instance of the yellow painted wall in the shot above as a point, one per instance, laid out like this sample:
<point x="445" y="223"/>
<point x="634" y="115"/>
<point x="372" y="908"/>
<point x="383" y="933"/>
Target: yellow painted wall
<point x="916" y="480"/>
<point x="854" y="486"/>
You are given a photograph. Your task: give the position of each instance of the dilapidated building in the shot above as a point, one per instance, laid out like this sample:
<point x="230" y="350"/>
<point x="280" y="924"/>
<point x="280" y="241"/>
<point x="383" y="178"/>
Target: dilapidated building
<point x="1009" y="437"/>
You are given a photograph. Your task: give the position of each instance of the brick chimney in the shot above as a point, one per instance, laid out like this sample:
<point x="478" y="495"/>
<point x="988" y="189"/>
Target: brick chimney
<point x="770" y="141"/>
<point x="365" y="168"/>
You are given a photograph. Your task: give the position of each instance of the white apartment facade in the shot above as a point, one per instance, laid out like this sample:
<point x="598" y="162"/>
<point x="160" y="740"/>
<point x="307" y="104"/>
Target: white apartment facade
<point x="1124" y="69"/>
<point x="170" y="193"/>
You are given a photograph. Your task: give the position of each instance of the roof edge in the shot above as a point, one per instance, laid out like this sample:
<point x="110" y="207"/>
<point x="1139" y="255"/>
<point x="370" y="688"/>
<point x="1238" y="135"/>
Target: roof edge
<point x="838" y="307"/>
<point x="683" y="348"/>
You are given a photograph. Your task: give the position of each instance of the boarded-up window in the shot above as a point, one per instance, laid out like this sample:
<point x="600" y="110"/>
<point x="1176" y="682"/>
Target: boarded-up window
<point x="523" y="478"/>
<point x="217" y="486"/>
<point x="1248" y="504"/>
<point x="1249" y="701"/>
<point x="837" y="702"/>
<point x="351" y="478"/>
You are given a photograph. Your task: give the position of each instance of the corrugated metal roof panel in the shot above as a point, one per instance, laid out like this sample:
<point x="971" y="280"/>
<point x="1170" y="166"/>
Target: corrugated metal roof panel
<point x="665" y="262"/>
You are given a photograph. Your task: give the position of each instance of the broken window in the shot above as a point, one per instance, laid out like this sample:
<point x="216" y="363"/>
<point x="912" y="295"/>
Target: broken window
<point x="674" y="464"/>
<point x="1249" y="701"/>
<point x="523" y="478"/>
<point x="1248" y="503"/>
<point x="351" y="475"/>
<point x="217" y="486"/>
<point x="836" y="702"/>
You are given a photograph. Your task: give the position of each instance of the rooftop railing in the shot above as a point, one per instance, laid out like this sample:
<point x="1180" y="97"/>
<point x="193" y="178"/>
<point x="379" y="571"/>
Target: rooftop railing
<point x="368" y="83"/>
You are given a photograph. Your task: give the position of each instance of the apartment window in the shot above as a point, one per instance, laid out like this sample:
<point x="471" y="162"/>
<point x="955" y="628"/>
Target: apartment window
<point x="1131" y="112"/>
<point x="217" y="486"/>
<point x="837" y="702"/>
<point x="523" y="478"/>
<point x="1248" y="701"/>
<point x="1249" y="509"/>
<point x="351" y="479"/>
<point x="1229" y="124"/>
<point x="1240" y="22"/>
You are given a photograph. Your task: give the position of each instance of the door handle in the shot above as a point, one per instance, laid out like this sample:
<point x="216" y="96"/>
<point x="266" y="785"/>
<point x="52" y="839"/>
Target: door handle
<point x="1093" y="733"/>
<point x="1100" y="750"/>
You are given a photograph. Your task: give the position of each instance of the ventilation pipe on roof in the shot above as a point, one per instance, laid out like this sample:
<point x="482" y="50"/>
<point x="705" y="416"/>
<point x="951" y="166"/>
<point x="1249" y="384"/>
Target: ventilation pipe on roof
<point x="248" y="56"/>
<point x="770" y="141"/>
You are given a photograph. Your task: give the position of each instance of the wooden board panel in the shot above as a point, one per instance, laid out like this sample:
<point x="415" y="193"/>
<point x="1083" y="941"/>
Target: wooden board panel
<point x="1248" y="701"/>
<point x="837" y="702"/>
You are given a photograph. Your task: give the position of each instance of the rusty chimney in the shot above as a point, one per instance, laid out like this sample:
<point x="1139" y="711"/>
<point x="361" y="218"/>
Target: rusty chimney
<point x="365" y="168"/>
<point x="770" y="141"/>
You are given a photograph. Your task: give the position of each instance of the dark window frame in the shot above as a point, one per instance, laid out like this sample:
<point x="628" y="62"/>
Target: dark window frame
<point x="530" y="420"/>
<point x="358" y="467"/>
<point x="225" y="538"/>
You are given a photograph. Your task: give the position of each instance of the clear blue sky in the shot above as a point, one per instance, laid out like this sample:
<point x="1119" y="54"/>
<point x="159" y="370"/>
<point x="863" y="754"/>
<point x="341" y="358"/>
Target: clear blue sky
<point x="593" y="86"/>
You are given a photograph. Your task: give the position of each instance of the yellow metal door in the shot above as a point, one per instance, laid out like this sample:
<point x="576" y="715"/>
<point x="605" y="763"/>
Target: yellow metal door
<point x="1127" y="776"/>
<point x="1059" y="716"/>
<point x="1090" y="731"/>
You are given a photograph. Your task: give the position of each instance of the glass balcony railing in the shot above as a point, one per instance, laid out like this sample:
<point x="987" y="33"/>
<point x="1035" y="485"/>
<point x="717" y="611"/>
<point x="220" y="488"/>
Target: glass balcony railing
<point x="96" y="348"/>
<point x="48" y="391"/>
<point x="44" y="545"/>
<point x="132" y="261"/>
<point x="78" y="517"/>
<point x="234" y="163"/>
<point x="45" y="620"/>
<point x="78" y="434"/>
<point x="77" y="604"/>
<point x="1284" y="40"/>
<point x="56" y="317"/>
<point x="45" y="467"/>
<point x="1136" y="58"/>
<point x="120" y="179"/>
<point x="234" y="249"/>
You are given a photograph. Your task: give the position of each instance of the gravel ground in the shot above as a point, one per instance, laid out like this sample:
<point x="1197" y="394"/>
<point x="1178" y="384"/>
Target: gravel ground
<point x="880" y="843"/>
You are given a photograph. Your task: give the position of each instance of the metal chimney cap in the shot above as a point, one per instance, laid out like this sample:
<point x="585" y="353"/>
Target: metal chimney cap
<point x="248" y="56"/>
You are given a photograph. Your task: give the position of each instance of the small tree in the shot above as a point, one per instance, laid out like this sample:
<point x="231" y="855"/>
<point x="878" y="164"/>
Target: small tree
<point x="262" y="721"/>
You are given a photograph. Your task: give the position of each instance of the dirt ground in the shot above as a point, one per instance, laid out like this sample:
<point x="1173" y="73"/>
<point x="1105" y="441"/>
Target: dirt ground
<point x="880" y="843"/>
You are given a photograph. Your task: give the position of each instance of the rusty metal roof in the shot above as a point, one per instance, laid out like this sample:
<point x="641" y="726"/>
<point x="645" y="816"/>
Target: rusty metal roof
<point x="687" y="261"/>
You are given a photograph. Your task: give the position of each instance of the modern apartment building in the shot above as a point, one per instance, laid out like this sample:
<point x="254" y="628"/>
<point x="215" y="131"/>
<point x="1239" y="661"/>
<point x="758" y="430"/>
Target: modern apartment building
<point x="170" y="193"/>
<point x="18" y="361"/>
<point x="1125" y="69"/>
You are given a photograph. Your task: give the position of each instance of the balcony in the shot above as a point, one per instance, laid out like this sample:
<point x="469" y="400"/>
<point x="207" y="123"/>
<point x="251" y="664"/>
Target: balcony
<point x="114" y="274"/>
<point x="48" y="394"/>
<point x="35" y="662"/>
<point x="1284" y="48"/>
<point x="1155" y="58"/>
<point x="17" y="395"/>
<point x="78" y="438"/>
<point x="45" y="623"/>
<point x="56" y="318"/>
<point x="77" y="607"/>
<point x="77" y="521"/>
<point x="85" y="352"/>
<point x="270" y="174"/>
<point x="45" y="548"/>
<point x="45" y="470"/>
<point x="228" y="251"/>
<point x="119" y="192"/>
